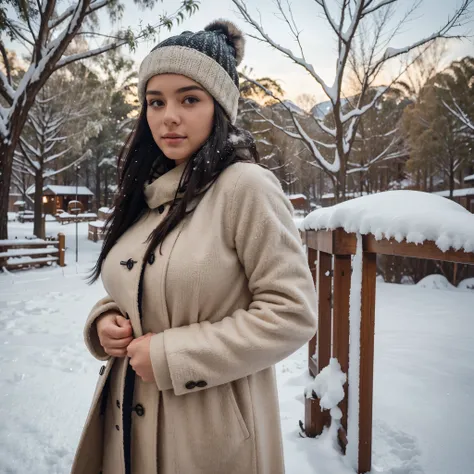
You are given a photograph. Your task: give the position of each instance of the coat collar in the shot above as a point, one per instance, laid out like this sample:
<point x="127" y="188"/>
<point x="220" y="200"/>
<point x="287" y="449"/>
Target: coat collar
<point x="163" y="189"/>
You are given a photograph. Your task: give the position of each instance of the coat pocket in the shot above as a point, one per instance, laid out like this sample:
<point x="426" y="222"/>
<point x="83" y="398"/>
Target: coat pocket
<point x="208" y="432"/>
<point x="238" y="413"/>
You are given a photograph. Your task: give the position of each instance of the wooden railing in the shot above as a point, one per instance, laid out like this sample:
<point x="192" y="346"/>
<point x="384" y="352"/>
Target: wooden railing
<point x="21" y="253"/>
<point x="329" y="258"/>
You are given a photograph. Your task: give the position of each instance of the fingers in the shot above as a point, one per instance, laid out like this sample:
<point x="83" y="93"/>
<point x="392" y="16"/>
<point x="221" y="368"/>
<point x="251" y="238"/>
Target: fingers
<point x="116" y="352"/>
<point x="114" y="331"/>
<point x="119" y="343"/>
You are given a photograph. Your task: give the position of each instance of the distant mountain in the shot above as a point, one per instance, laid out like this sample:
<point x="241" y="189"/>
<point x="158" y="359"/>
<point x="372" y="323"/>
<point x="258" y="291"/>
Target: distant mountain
<point x="294" y="108"/>
<point x="323" y="108"/>
<point x="291" y="105"/>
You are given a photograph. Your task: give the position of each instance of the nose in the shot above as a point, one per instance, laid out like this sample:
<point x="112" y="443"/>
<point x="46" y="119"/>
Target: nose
<point x="171" y="116"/>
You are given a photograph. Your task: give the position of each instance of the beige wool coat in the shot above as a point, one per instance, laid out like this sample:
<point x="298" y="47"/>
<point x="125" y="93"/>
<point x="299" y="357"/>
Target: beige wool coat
<point x="230" y="296"/>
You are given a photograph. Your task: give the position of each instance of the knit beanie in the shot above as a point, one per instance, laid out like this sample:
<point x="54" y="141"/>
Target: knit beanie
<point x="209" y="57"/>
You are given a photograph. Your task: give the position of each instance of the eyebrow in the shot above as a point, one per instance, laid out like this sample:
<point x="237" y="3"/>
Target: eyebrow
<point x="179" y="91"/>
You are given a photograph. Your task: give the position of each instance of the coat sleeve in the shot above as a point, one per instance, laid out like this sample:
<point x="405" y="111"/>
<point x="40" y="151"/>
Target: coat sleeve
<point x="282" y="314"/>
<point x="91" y="337"/>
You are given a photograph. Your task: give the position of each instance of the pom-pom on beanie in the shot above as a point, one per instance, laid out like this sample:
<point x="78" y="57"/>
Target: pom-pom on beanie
<point x="209" y="57"/>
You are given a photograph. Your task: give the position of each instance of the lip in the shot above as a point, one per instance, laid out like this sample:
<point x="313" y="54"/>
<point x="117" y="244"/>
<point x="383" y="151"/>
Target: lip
<point x="173" y="135"/>
<point x="174" y="141"/>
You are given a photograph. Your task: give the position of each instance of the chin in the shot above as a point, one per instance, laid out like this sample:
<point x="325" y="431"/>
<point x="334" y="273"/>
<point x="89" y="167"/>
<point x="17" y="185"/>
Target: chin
<point x="175" y="155"/>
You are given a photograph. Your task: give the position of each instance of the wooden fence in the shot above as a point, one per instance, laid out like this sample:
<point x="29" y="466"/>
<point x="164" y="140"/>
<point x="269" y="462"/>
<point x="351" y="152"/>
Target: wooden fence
<point x="329" y="258"/>
<point x="22" y="253"/>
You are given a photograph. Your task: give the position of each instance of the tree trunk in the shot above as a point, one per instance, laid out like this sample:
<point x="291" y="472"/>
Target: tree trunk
<point x="6" y="158"/>
<point x="39" y="226"/>
<point x="451" y="178"/>
<point x="97" y="186"/>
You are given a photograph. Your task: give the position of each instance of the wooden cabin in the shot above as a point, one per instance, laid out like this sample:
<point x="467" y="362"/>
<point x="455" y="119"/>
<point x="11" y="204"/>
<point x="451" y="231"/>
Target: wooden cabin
<point x="57" y="198"/>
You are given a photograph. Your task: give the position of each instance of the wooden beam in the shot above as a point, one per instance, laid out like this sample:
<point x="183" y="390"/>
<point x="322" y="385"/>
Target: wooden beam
<point x="338" y="242"/>
<point x="428" y="250"/>
<point x="324" y="283"/>
<point x="340" y="349"/>
<point x="331" y="241"/>
<point x="312" y="258"/>
<point x="367" y="330"/>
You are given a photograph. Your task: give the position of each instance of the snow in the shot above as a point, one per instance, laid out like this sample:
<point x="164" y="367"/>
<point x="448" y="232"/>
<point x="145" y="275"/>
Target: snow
<point x="97" y="223"/>
<point x="457" y="192"/>
<point x="21" y="252"/>
<point x="296" y="196"/>
<point x="63" y="190"/>
<point x="423" y="374"/>
<point x="24" y="260"/>
<point x="105" y="209"/>
<point x="22" y="241"/>
<point x="348" y="195"/>
<point x="436" y="282"/>
<point x="328" y="385"/>
<point x="355" y="301"/>
<point x="19" y="203"/>
<point x="411" y="215"/>
<point x="467" y="284"/>
<point x="469" y="178"/>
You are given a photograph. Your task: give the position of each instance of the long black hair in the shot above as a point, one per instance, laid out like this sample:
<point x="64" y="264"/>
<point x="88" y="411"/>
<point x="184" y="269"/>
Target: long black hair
<point x="140" y="158"/>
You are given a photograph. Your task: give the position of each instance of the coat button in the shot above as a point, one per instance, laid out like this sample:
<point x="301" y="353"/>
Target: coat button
<point x="102" y="370"/>
<point x="151" y="259"/>
<point x="161" y="209"/>
<point x="117" y="427"/>
<point x="201" y="384"/>
<point x="118" y="403"/>
<point x="190" y="385"/>
<point x="127" y="316"/>
<point x="129" y="263"/>
<point x="139" y="410"/>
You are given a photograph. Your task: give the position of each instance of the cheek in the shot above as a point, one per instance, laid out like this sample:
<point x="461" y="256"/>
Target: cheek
<point x="153" y="121"/>
<point x="202" y="124"/>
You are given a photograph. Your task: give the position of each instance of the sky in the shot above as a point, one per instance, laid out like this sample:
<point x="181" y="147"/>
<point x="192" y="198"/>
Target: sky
<point x="317" y="38"/>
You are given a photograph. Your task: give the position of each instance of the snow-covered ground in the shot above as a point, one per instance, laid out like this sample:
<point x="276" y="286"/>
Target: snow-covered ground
<point x="424" y="374"/>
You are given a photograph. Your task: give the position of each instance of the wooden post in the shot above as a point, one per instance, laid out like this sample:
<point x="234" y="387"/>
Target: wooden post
<point x="367" y="331"/>
<point x="324" y="282"/>
<point x="312" y="257"/>
<point x="319" y="419"/>
<point x="61" y="248"/>
<point x="342" y="287"/>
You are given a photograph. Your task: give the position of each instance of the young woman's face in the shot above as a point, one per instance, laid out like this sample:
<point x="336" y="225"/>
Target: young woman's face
<point x="180" y="115"/>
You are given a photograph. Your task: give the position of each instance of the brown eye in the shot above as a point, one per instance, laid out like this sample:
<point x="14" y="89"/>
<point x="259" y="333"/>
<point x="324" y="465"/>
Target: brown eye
<point x="156" y="103"/>
<point x="191" y="100"/>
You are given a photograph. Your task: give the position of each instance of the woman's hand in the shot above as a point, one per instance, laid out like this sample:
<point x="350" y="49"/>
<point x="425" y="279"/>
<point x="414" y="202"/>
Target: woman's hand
<point x="139" y="353"/>
<point x="115" y="333"/>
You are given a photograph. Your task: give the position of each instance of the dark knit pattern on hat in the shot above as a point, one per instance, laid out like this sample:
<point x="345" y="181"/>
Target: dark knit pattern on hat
<point x="211" y="43"/>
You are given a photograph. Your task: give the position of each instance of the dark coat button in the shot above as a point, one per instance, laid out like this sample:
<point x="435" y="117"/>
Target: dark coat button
<point x="151" y="259"/>
<point x="127" y="316"/>
<point x="102" y="370"/>
<point x="129" y="263"/>
<point x="117" y="427"/>
<point x="190" y="385"/>
<point x="139" y="410"/>
<point x="118" y="404"/>
<point x="161" y="209"/>
<point x="201" y="384"/>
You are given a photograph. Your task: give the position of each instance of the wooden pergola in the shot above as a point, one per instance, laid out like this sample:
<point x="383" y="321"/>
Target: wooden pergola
<point x="329" y="258"/>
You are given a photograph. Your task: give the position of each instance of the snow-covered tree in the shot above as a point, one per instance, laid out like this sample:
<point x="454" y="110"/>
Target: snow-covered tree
<point x="46" y="31"/>
<point x="58" y="123"/>
<point x="363" y="34"/>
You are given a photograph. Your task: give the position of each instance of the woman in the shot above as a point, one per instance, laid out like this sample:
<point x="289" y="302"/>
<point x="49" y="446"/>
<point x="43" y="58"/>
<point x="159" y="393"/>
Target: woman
<point x="207" y="281"/>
